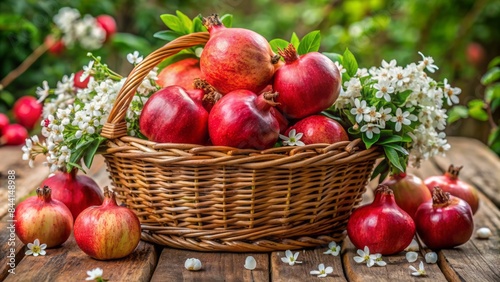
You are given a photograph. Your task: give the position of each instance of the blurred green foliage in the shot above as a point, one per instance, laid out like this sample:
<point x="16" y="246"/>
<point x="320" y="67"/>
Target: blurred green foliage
<point x="461" y="36"/>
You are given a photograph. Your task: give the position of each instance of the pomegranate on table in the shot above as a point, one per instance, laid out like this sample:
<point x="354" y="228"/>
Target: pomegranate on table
<point x="307" y="84"/>
<point x="27" y="111"/>
<point x="77" y="81"/>
<point x="445" y="221"/>
<point x="382" y="225"/>
<point x="171" y="115"/>
<point x="44" y="218"/>
<point x="77" y="192"/>
<point x="319" y="129"/>
<point x="243" y="119"/>
<point x="108" y="231"/>
<point x="107" y="23"/>
<point x="449" y="182"/>
<point x="236" y="58"/>
<point x="181" y="73"/>
<point x="13" y="134"/>
<point x="55" y="46"/>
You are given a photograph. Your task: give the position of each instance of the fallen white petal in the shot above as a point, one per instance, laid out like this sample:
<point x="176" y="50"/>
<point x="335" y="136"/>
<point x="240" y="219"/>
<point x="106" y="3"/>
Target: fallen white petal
<point x="431" y="257"/>
<point x="250" y="263"/>
<point x="413" y="246"/>
<point x="411" y="256"/>
<point x="483" y="233"/>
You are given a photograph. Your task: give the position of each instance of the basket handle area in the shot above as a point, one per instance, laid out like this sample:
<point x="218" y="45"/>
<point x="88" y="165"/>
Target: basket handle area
<point x="116" y="126"/>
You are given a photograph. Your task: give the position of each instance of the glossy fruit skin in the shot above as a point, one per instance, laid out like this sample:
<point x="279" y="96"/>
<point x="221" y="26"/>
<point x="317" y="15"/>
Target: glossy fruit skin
<point x="4" y="121"/>
<point x="319" y="129"/>
<point x="282" y="120"/>
<point x="27" y="111"/>
<point x="449" y="182"/>
<point x="409" y="191"/>
<point x="14" y="134"/>
<point x="236" y="58"/>
<point x="55" y="46"/>
<point x="107" y="23"/>
<point x="76" y="191"/>
<point x="307" y="84"/>
<point x="242" y="119"/>
<point x="181" y="73"/>
<point x="444" y="224"/>
<point x="107" y="231"/>
<point x="381" y="225"/>
<point x="77" y="81"/>
<point x="43" y="218"/>
<point x="171" y="116"/>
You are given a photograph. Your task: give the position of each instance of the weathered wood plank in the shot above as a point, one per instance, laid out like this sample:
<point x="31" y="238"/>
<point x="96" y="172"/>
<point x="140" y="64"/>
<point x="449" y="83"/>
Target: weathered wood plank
<point x="397" y="268"/>
<point x="215" y="266"/>
<point x="311" y="258"/>
<point x="10" y="248"/>
<point x="69" y="263"/>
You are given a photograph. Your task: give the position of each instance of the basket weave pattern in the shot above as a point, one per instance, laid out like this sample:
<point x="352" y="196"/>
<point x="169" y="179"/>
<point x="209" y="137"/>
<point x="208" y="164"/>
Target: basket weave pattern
<point x="213" y="198"/>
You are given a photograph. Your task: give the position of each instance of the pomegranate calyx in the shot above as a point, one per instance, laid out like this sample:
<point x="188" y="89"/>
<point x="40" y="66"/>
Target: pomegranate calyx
<point x="43" y="193"/>
<point x="212" y="22"/>
<point x="109" y="197"/>
<point x="289" y="53"/>
<point x="384" y="189"/>
<point x="439" y="197"/>
<point x="211" y="94"/>
<point x="453" y="171"/>
<point x="266" y="100"/>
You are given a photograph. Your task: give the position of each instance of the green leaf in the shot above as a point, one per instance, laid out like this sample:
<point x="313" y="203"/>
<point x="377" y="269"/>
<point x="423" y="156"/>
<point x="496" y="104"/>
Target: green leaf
<point x="173" y="22"/>
<point x="198" y="25"/>
<point x="309" y="43"/>
<point x="494" y="105"/>
<point x="369" y="142"/>
<point x="382" y="167"/>
<point x="295" y="40"/>
<point x="334" y="57"/>
<point x="492" y="92"/>
<point x="277" y="44"/>
<point x="393" y="158"/>
<point x="400" y="98"/>
<point x="490" y="76"/>
<point x="495" y="61"/>
<point x="187" y="23"/>
<point x="167" y="35"/>
<point x="227" y="20"/>
<point x="391" y="139"/>
<point x="456" y="113"/>
<point x="398" y="148"/>
<point x="88" y="157"/>
<point x="476" y="110"/>
<point x="494" y="136"/>
<point x="129" y="42"/>
<point x="349" y="62"/>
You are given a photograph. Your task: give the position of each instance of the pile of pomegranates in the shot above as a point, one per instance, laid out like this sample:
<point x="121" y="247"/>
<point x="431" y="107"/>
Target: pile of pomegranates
<point x="260" y="94"/>
<point x="26" y="113"/>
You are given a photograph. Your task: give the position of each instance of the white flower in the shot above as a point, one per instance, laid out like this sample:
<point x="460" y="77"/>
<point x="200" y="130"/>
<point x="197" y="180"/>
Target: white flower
<point x="384" y="116"/>
<point x="95" y="274"/>
<point x="353" y="87"/>
<point x="402" y="118"/>
<point x="290" y="258"/>
<point x="340" y="67"/>
<point x="413" y="246"/>
<point x="431" y="257"/>
<point x="451" y="93"/>
<point x="36" y="249"/>
<point x="322" y="271"/>
<point x="250" y="263"/>
<point x="389" y="65"/>
<point x="293" y="138"/>
<point x="420" y="271"/>
<point x="134" y="58"/>
<point x="364" y="256"/>
<point x="333" y="249"/>
<point x="378" y="260"/>
<point x="411" y="256"/>
<point x="65" y="18"/>
<point x="372" y="115"/>
<point x="428" y="63"/>
<point x="87" y="71"/>
<point x="193" y="264"/>
<point x="360" y="109"/>
<point x="43" y="92"/>
<point x="384" y="89"/>
<point x="370" y="129"/>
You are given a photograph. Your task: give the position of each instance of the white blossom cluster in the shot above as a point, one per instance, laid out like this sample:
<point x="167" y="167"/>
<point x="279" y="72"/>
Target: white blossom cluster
<point x="72" y="115"/>
<point x="75" y="29"/>
<point x="401" y="99"/>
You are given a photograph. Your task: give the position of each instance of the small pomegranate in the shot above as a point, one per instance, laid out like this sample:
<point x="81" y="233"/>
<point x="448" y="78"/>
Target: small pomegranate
<point x="236" y="58"/>
<point x="78" y="83"/>
<point x="319" y="129"/>
<point x="55" y="46"/>
<point x="107" y="23"/>
<point x="171" y="116"/>
<point x="243" y="119"/>
<point x="307" y="84"/>
<point x="77" y="192"/>
<point x="27" y="111"/>
<point x="409" y="191"/>
<point x="450" y="183"/>
<point x="382" y="226"/>
<point x="43" y="218"/>
<point x="4" y="121"/>
<point x="13" y="134"/>
<point x="181" y="73"/>
<point x="445" y="221"/>
<point x="107" y="231"/>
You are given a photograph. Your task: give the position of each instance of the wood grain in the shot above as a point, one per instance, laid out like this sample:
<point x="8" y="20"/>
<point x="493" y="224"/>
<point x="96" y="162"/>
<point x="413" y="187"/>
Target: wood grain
<point x="311" y="258"/>
<point x="69" y="263"/>
<point x="215" y="267"/>
<point x="10" y="248"/>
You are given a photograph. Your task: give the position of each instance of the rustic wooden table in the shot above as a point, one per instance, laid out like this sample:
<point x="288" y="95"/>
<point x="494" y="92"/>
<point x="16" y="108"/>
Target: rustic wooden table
<point x="477" y="260"/>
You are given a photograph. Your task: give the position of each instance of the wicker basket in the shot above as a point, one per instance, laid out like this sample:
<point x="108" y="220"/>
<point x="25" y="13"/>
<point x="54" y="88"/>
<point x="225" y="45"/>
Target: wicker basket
<point x="212" y="198"/>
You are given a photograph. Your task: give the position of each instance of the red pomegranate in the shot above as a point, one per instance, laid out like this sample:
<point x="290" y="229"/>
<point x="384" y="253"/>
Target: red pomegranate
<point x="181" y="73"/>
